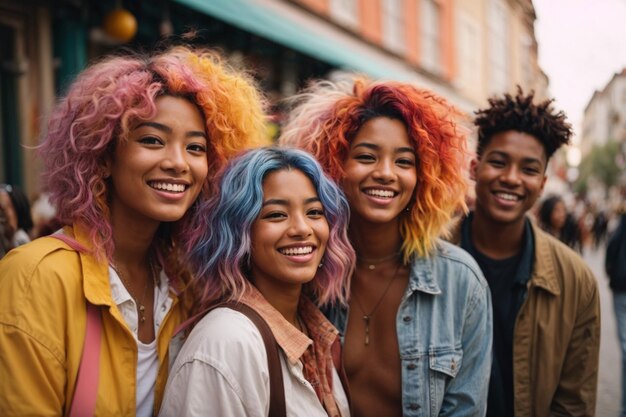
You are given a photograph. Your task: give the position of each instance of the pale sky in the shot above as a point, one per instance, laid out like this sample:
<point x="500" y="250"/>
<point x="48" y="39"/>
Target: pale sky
<point x="582" y="43"/>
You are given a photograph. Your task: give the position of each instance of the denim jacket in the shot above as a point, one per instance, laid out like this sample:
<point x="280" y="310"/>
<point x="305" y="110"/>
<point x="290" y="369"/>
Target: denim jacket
<point x="444" y="327"/>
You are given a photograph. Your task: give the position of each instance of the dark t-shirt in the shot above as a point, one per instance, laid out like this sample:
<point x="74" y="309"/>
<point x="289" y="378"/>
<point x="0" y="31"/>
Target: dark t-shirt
<point x="507" y="279"/>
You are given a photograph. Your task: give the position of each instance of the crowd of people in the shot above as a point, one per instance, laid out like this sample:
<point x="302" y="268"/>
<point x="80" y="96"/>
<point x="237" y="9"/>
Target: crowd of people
<point x="189" y="271"/>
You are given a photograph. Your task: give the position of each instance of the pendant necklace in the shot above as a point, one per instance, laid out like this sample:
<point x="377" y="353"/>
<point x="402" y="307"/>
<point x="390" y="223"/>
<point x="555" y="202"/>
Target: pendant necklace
<point x="141" y="308"/>
<point x="371" y="263"/>
<point x="367" y="317"/>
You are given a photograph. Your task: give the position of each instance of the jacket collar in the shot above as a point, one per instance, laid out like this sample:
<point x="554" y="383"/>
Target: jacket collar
<point x="95" y="269"/>
<point x="543" y="265"/>
<point x="421" y="277"/>
<point x="543" y="273"/>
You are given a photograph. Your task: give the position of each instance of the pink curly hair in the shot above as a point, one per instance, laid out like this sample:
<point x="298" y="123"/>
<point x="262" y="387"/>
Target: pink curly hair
<point x="109" y="96"/>
<point x="326" y="117"/>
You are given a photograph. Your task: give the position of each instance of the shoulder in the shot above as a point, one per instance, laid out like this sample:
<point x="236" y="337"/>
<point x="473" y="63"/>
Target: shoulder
<point x="555" y="258"/>
<point x="41" y="262"/>
<point x="461" y="263"/>
<point x="223" y="336"/>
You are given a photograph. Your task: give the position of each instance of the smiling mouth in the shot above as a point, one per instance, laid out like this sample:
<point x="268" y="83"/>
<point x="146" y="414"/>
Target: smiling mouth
<point x="380" y="193"/>
<point x="299" y="251"/>
<point x="507" y="196"/>
<point x="168" y="186"/>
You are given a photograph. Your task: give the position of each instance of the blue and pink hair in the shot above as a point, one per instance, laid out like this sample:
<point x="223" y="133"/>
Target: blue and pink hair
<point x="220" y="250"/>
<point x="107" y="98"/>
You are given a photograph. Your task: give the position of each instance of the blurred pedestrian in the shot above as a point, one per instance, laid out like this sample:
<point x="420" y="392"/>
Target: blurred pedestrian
<point x="17" y="209"/>
<point x="555" y="219"/>
<point x="418" y="325"/>
<point x="545" y="299"/>
<point x="615" y="263"/>
<point x="274" y="240"/>
<point x="600" y="228"/>
<point x="86" y="315"/>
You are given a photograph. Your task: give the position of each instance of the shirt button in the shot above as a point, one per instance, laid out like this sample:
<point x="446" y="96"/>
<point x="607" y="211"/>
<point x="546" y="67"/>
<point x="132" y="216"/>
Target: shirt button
<point x="411" y="366"/>
<point x="164" y="308"/>
<point x="413" y="406"/>
<point x="407" y="319"/>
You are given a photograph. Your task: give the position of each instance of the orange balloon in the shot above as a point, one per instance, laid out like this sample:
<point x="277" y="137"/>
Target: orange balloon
<point x="120" y="24"/>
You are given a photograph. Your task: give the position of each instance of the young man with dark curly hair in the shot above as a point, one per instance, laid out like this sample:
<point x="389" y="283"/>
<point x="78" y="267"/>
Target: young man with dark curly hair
<point x="546" y="310"/>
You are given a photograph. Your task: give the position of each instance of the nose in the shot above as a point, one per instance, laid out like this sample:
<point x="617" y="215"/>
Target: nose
<point x="299" y="227"/>
<point x="511" y="176"/>
<point x="384" y="171"/>
<point x="175" y="159"/>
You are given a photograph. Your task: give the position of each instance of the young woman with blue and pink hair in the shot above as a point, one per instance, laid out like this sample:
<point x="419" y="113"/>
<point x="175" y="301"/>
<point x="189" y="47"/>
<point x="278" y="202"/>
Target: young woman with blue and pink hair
<point x="129" y="154"/>
<point x="417" y="328"/>
<point x="273" y="239"/>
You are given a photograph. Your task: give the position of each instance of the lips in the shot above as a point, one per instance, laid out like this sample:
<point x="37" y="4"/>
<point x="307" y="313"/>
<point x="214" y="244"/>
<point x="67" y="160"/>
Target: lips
<point x="297" y="250"/>
<point x="380" y="193"/>
<point x="168" y="186"/>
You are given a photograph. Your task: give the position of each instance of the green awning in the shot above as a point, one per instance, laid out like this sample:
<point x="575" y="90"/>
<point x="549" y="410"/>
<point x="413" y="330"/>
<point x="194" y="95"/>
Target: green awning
<point x="254" y="17"/>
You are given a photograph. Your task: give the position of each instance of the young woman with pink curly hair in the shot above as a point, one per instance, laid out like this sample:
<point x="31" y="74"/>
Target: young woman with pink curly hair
<point x="417" y="330"/>
<point x="128" y="155"/>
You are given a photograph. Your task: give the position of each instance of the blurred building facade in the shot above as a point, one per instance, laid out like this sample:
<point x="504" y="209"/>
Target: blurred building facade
<point x="605" y="115"/>
<point x="465" y="50"/>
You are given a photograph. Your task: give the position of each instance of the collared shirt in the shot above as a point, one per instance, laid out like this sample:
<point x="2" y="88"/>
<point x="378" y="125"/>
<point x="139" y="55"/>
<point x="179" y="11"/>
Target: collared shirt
<point x="147" y="357"/>
<point x="508" y="281"/>
<point x="222" y="368"/>
<point x="444" y="329"/>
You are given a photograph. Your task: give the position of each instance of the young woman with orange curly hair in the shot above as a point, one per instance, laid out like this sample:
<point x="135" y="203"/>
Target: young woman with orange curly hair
<point x="417" y="332"/>
<point x="129" y="154"/>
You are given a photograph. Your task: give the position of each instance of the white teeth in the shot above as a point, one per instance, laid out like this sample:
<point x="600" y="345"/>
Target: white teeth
<point x="175" y="188"/>
<point x="380" y="193"/>
<point x="303" y="250"/>
<point x="506" y="196"/>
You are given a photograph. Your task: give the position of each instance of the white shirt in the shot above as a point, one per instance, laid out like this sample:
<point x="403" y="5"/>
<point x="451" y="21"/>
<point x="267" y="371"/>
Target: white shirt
<point x="147" y="360"/>
<point x="222" y="370"/>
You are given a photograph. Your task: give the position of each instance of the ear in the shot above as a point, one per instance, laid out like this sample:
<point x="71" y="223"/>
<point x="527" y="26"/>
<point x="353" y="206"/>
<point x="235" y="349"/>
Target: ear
<point x="543" y="182"/>
<point x="473" y="168"/>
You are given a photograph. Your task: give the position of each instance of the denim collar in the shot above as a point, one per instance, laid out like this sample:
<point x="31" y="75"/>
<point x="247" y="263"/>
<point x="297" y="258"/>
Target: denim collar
<point x="421" y="276"/>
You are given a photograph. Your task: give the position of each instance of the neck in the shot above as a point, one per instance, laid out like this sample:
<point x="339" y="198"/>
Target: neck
<point x="285" y="299"/>
<point x="496" y="240"/>
<point x="132" y="242"/>
<point x="375" y="241"/>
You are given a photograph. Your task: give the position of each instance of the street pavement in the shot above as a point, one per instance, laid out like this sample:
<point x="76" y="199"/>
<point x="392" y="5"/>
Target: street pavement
<point x="608" y="404"/>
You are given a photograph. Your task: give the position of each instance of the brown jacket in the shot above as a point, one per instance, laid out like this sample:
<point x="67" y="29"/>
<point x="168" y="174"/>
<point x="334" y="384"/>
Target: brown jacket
<point x="557" y="334"/>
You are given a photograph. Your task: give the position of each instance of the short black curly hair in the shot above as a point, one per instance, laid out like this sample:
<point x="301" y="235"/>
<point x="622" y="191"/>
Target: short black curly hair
<point x="520" y="113"/>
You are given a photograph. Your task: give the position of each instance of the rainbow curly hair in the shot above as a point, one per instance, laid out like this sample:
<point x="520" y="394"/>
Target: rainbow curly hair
<point x="105" y="100"/>
<point x="326" y="117"/>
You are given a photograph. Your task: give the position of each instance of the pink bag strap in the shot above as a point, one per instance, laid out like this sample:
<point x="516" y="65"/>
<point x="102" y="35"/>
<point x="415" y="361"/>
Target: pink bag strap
<point x="86" y="392"/>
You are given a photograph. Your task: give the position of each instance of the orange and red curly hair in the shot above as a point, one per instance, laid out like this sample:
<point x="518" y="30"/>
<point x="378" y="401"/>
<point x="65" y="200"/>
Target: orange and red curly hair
<point x="326" y="117"/>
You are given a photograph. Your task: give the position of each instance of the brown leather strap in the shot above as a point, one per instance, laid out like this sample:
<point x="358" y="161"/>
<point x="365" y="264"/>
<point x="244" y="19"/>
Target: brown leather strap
<point x="335" y="350"/>
<point x="277" y="387"/>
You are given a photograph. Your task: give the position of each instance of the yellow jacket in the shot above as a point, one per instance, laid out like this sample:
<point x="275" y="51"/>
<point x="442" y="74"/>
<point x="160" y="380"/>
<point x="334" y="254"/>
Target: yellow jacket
<point x="43" y="287"/>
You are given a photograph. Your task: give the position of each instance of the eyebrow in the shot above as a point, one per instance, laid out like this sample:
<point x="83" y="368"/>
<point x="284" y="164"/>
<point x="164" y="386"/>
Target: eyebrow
<point x="167" y="129"/>
<point x="376" y="147"/>
<point x="506" y="156"/>
<point x="283" y="202"/>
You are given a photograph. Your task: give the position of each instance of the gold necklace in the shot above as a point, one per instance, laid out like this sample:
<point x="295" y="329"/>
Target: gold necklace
<point x="367" y="317"/>
<point x="371" y="263"/>
<point x="141" y="308"/>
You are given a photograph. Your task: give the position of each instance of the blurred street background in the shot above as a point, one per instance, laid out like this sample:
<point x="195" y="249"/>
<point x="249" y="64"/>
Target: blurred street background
<point x="464" y="50"/>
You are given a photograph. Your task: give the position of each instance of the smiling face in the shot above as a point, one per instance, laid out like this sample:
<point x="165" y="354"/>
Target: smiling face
<point x="509" y="176"/>
<point x="380" y="171"/>
<point x="290" y="234"/>
<point x="158" y="172"/>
